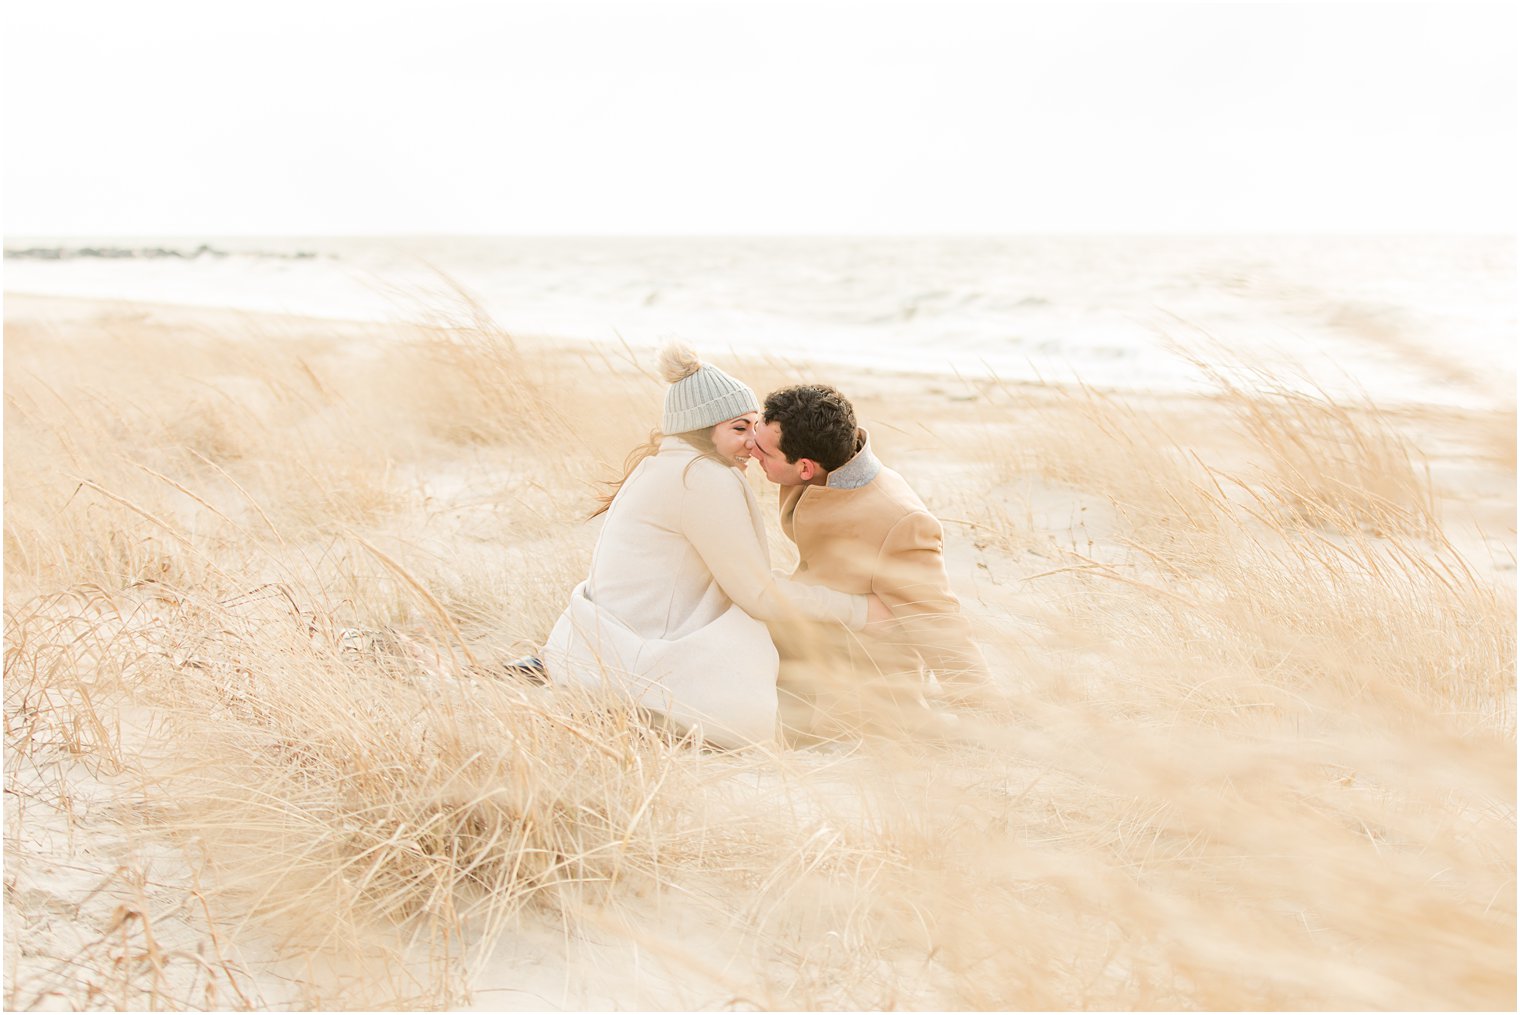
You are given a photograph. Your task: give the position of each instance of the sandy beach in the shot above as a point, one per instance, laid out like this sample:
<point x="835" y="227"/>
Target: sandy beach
<point x="1258" y="643"/>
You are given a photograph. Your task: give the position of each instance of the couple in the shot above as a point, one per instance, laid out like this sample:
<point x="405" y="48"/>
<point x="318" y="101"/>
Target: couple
<point x="681" y="613"/>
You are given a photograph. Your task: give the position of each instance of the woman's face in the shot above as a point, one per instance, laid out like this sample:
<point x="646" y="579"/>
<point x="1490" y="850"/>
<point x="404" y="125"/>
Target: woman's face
<point x="731" y="437"/>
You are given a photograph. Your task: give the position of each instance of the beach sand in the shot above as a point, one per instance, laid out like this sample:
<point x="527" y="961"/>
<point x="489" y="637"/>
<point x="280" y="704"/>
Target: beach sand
<point x="1257" y="646"/>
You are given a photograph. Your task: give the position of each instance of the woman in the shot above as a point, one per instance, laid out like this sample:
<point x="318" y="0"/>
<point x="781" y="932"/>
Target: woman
<point x="671" y="616"/>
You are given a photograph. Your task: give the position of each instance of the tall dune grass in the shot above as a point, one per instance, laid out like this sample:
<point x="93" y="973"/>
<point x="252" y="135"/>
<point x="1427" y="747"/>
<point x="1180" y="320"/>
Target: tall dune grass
<point x="1255" y="748"/>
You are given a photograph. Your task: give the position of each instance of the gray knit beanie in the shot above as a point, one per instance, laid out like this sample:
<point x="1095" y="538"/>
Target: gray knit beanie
<point x="700" y="395"/>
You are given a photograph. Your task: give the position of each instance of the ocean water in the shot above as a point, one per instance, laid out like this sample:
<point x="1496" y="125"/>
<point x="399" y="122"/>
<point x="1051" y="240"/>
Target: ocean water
<point x="1405" y="319"/>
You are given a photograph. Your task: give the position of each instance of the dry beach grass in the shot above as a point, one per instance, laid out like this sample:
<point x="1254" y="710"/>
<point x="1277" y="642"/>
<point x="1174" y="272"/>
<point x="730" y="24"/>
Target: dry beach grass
<point x="1259" y="648"/>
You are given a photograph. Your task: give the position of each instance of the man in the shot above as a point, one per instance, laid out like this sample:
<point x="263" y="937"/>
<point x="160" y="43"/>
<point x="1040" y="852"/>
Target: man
<point x="860" y="528"/>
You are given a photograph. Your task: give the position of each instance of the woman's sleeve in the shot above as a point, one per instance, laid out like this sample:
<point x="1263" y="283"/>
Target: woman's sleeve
<point x="715" y="517"/>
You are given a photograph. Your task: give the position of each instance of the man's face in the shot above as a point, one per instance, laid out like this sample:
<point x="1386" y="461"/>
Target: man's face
<point x="765" y="442"/>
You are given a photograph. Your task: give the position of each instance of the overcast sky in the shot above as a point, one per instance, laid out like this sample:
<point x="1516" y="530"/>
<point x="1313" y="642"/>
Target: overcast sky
<point x="734" y="117"/>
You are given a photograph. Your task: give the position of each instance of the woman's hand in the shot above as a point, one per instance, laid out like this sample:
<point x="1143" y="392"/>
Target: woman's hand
<point x="876" y="610"/>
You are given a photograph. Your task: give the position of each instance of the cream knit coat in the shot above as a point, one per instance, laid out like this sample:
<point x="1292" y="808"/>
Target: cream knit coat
<point x="683" y="543"/>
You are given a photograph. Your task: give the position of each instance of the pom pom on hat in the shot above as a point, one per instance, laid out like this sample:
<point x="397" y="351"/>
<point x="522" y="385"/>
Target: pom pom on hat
<point x="678" y="362"/>
<point x="700" y="395"/>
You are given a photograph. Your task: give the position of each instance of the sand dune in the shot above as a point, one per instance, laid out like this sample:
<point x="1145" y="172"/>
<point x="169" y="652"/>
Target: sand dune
<point x="1258" y="647"/>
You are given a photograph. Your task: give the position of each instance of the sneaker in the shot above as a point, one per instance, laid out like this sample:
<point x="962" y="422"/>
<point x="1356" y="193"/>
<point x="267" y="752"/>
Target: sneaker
<point x="529" y="668"/>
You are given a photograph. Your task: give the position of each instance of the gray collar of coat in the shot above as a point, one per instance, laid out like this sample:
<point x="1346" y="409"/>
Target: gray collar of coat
<point x="858" y="471"/>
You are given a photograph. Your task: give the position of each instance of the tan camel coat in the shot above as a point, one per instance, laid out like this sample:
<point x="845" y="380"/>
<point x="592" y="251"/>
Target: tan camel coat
<point x="865" y="530"/>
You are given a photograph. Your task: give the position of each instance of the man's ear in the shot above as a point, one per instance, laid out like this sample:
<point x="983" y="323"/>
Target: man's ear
<point x="806" y="469"/>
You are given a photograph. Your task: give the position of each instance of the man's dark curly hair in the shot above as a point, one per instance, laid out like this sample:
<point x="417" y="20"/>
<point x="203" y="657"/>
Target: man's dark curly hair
<point x="817" y="422"/>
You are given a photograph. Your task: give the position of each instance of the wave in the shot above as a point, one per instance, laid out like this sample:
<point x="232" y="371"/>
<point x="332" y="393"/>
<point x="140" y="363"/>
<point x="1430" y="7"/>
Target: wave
<point x="112" y="253"/>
